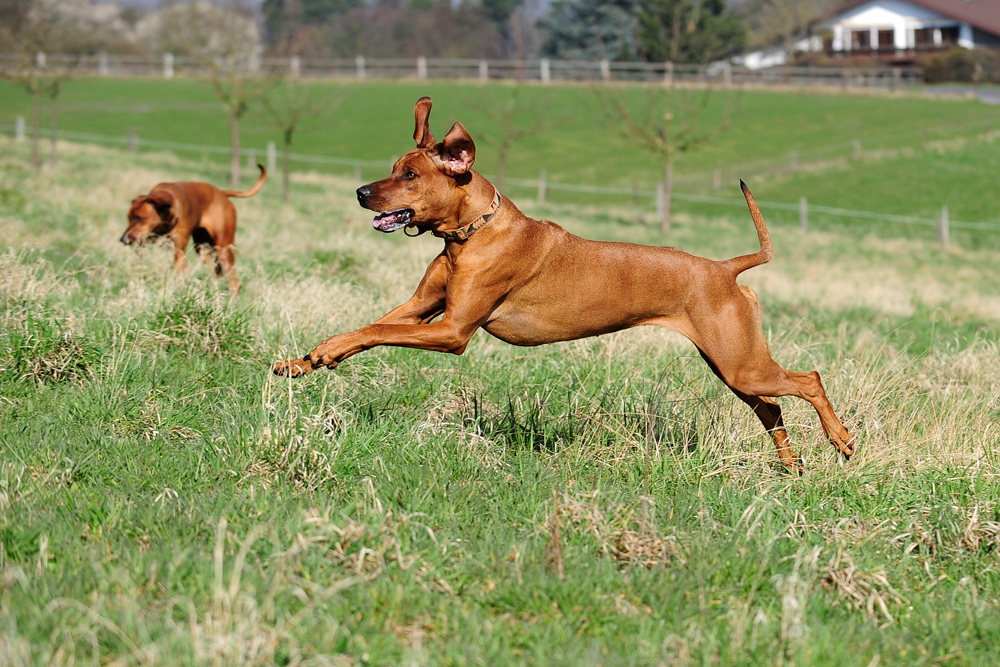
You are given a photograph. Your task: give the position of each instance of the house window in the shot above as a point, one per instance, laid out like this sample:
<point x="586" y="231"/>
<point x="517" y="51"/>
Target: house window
<point x="861" y="39"/>
<point x="923" y="37"/>
<point x="949" y="35"/>
<point x="886" y="39"/>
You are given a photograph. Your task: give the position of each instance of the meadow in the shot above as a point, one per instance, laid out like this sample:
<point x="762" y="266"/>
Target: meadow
<point x="917" y="153"/>
<point x="164" y="499"/>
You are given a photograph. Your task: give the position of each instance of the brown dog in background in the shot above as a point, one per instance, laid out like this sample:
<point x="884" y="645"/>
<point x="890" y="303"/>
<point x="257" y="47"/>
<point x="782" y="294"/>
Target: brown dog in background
<point x="182" y="211"/>
<point x="530" y="282"/>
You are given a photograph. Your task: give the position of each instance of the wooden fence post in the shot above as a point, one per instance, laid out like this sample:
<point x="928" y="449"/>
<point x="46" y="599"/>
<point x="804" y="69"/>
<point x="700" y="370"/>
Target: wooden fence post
<point x="357" y="173"/>
<point x="295" y="67"/>
<point x="168" y="65"/>
<point x="359" y="66"/>
<point x="102" y="64"/>
<point x="546" y="71"/>
<point x="803" y="214"/>
<point x="484" y="70"/>
<point x="943" y="226"/>
<point x="252" y="160"/>
<point x="133" y="142"/>
<point x="605" y="70"/>
<point x="19" y="129"/>
<point x="422" y="67"/>
<point x="668" y="74"/>
<point x="543" y="186"/>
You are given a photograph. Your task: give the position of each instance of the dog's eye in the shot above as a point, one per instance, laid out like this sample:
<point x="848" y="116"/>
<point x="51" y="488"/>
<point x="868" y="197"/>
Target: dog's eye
<point x="409" y="176"/>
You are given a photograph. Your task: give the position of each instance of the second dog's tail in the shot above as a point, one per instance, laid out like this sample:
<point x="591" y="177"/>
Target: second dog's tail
<point x="740" y="264"/>
<point x="252" y="191"/>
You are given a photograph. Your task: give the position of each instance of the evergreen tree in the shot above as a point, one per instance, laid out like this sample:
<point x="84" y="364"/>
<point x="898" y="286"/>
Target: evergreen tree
<point x="591" y="30"/>
<point x="688" y="31"/>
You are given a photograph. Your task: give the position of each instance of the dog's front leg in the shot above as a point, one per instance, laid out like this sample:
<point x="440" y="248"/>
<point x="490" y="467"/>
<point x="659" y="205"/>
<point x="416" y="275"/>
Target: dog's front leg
<point x="443" y="336"/>
<point x="427" y="302"/>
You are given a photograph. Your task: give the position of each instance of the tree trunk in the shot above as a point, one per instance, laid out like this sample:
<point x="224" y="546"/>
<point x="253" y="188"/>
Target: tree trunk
<point x="287" y="168"/>
<point x="234" y="140"/>
<point x="36" y="119"/>
<point x="54" y="133"/>
<point x="668" y="192"/>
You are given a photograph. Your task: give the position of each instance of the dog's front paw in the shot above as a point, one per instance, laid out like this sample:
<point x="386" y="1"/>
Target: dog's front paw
<point x="321" y="357"/>
<point x="292" y="368"/>
<point x="845" y="444"/>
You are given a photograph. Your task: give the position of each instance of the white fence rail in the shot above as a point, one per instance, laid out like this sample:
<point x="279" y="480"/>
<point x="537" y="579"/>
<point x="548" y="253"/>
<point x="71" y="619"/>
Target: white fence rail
<point x="542" y="185"/>
<point x="543" y="70"/>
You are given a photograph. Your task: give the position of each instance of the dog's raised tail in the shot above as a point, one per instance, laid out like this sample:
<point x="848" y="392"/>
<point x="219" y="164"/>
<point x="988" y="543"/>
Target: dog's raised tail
<point x="252" y="191"/>
<point x="740" y="264"/>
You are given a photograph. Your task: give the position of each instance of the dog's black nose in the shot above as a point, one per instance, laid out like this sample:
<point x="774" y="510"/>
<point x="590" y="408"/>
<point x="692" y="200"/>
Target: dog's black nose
<point x="364" y="192"/>
<point x="124" y="238"/>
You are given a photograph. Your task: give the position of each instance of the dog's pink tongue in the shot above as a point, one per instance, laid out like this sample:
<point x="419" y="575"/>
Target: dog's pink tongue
<point x="389" y="222"/>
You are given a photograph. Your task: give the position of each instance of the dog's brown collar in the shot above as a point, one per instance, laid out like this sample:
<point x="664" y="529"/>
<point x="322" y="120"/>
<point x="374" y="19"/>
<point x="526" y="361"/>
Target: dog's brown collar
<point x="462" y="233"/>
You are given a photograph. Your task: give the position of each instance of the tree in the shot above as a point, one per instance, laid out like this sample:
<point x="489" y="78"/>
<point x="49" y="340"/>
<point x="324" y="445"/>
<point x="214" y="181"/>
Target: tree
<point x="771" y="22"/>
<point x="688" y="31"/>
<point x="591" y="30"/>
<point x="514" y="119"/>
<point x="288" y="106"/>
<point x="286" y="20"/>
<point x="666" y="121"/>
<point x="30" y="30"/>
<point x="226" y="46"/>
<point x="501" y="12"/>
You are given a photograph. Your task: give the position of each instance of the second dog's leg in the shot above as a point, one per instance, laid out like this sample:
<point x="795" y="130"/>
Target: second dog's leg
<point x="226" y="266"/>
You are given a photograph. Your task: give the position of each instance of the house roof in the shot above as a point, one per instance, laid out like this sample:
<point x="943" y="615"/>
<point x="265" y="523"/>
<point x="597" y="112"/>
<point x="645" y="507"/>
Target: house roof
<point x="982" y="14"/>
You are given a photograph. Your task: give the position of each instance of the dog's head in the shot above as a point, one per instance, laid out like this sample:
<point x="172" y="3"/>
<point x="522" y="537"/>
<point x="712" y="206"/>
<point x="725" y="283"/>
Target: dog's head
<point x="150" y="216"/>
<point x="426" y="187"/>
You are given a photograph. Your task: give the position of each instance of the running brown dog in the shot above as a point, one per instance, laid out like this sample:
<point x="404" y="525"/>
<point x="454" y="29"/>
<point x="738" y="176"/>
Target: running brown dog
<point x="530" y="282"/>
<point x="182" y="211"/>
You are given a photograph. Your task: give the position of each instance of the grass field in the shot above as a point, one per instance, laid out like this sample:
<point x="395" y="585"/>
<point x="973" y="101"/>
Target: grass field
<point x="164" y="499"/>
<point x="918" y="153"/>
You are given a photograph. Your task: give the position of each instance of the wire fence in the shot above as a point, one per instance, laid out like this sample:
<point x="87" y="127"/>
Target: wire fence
<point x="542" y="185"/>
<point x="543" y="70"/>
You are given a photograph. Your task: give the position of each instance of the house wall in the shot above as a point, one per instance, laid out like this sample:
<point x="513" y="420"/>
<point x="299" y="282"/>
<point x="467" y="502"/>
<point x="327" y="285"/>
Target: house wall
<point x="903" y="18"/>
<point x="985" y="39"/>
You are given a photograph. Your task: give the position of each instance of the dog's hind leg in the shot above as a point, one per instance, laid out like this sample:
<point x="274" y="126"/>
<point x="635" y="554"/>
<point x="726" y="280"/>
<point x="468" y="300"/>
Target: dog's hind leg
<point x="734" y="346"/>
<point x="769" y="414"/>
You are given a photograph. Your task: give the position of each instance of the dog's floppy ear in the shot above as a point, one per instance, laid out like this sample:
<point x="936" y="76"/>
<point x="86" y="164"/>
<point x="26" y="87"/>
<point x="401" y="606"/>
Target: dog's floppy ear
<point x="422" y="132"/>
<point x="457" y="152"/>
<point x="163" y="201"/>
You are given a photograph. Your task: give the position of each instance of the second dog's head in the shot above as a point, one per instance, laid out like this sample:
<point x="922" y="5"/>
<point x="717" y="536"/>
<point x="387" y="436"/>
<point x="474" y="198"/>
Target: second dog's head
<point x="427" y="186"/>
<point x="150" y="216"/>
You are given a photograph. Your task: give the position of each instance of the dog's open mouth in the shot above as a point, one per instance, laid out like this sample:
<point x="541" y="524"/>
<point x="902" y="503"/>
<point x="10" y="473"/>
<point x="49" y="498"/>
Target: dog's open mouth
<point x="393" y="220"/>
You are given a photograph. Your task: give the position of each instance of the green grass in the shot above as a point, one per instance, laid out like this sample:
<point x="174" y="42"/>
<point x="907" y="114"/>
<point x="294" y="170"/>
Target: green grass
<point x="164" y="499"/>
<point x="918" y="153"/>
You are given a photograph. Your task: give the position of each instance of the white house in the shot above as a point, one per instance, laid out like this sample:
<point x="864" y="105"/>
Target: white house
<point x="894" y="30"/>
<point x="867" y="27"/>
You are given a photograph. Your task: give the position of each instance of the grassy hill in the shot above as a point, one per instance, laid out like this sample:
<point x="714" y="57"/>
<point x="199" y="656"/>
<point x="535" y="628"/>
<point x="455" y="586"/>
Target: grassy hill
<point x="164" y="499"/>
<point x="916" y="154"/>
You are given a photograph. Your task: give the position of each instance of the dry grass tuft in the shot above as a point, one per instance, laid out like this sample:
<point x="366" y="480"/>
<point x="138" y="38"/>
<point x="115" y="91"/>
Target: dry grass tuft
<point x="23" y="281"/>
<point x="952" y="535"/>
<point x="616" y="531"/>
<point x="870" y="591"/>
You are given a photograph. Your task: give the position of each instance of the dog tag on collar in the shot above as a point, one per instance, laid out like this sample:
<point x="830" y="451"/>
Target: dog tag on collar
<point x="413" y="236"/>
